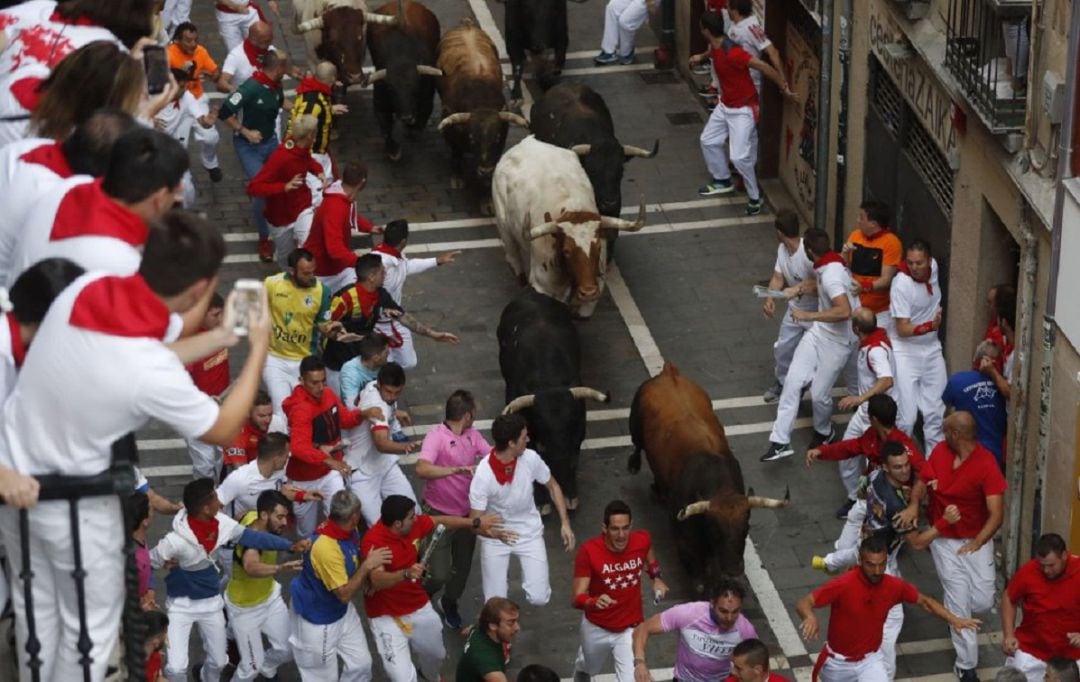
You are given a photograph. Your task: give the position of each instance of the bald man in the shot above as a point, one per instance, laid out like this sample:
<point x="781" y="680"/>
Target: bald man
<point x="244" y="59"/>
<point x="963" y="473"/>
<point x="314" y="98"/>
<point x="235" y="19"/>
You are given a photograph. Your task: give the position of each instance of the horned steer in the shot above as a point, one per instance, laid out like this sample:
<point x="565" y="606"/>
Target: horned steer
<point x="540" y="359"/>
<point x="549" y="226"/>
<point x="334" y="31"/>
<point x="404" y="60"/>
<point x="672" y="419"/>
<point x="471" y="90"/>
<point x="535" y="26"/>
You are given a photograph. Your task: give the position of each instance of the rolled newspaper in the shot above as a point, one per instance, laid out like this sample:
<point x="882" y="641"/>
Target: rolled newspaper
<point x="436" y="535"/>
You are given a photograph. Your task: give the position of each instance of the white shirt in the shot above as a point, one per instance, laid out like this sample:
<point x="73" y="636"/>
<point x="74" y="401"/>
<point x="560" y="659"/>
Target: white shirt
<point x="238" y="65"/>
<point x="242" y="487"/>
<point x="513" y="501"/>
<point x="749" y="34"/>
<point x="875" y="363"/>
<point x="8" y="371"/>
<point x="917" y="302"/>
<point x="82" y="389"/>
<point x="178" y="117"/>
<point x="795" y="268"/>
<point x="397" y="269"/>
<point x="833" y="279"/>
<point x="362" y="454"/>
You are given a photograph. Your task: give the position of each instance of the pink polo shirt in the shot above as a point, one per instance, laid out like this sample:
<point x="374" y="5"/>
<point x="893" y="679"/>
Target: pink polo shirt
<point x="442" y="447"/>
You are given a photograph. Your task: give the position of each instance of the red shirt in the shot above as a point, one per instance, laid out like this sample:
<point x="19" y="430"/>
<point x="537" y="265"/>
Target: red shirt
<point x="313" y="423"/>
<point x="733" y="72"/>
<point x="966" y="486"/>
<point x="406" y="596"/>
<point x="1051" y="609"/>
<point x="869" y="445"/>
<point x="211" y="374"/>
<point x="859" y="609"/>
<point x="246" y="446"/>
<point x="618" y="575"/>
<point x="283" y="208"/>
<point x="331" y="230"/>
<point x="153" y="666"/>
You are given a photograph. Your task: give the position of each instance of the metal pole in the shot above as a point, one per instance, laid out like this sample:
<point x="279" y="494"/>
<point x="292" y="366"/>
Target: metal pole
<point x="821" y="157"/>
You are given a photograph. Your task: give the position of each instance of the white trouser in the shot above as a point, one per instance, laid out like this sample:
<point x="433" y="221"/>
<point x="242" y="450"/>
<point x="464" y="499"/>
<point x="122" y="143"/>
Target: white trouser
<point x="336" y="283"/>
<point x="968" y="581"/>
<point x="920" y="381"/>
<point x="597" y="644"/>
<point x="787" y="340"/>
<point x="307" y="513"/>
<point x="372" y="489"/>
<point x="175" y="13"/>
<point x="316" y="649"/>
<point x="288" y="237"/>
<point x="622" y="19"/>
<point x="495" y="563"/>
<point x="1033" y="668"/>
<point x="211" y="625"/>
<point x="405" y="354"/>
<point x="421" y="630"/>
<point x="249" y="624"/>
<point x="281" y="376"/>
<point x="55" y="601"/>
<point x="205" y="459"/>
<point x="315" y="186"/>
<point x="187" y="189"/>
<point x="818" y="361"/>
<point x="886" y="322"/>
<point x="740" y="125"/>
<point x="851" y="470"/>
<point x="234" y="27"/>
<point x="207" y="138"/>
<point x="869" y="669"/>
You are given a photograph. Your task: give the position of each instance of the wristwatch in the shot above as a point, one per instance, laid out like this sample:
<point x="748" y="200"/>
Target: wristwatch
<point x="639" y="661"/>
<point x="476" y="523"/>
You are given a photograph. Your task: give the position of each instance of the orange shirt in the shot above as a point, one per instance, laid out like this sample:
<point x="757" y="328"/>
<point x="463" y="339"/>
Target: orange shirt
<point x="867" y="260"/>
<point x="197" y="64"/>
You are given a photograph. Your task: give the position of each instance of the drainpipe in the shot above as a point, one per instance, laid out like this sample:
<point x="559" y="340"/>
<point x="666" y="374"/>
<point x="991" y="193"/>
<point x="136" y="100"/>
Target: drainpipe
<point x="824" y="118"/>
<point x="846" y="17"/>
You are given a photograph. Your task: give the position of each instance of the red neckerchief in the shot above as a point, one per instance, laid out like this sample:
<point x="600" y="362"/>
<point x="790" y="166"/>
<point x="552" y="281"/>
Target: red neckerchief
<point x="206" y="532"/>
<point x="80" y="21"/>
<point x="18" y="348"/>
<point x="387" y="249"/>
<point x="504" y="473"/>
<point x="368" y="300"/>
<point x="121" y="306"/>
<point x="27" y="92"/>
<point x="903" y="267"/>
<point x="312" y="84"/>
<point x="332" y="530"/>
<point x="266" y="80"/>
<point x="254" y="54"/>
<point x="86" y="211"/>
<point x="878" y="337"/>
<point x="829" y="257"/>
<point x="50" y="156"/>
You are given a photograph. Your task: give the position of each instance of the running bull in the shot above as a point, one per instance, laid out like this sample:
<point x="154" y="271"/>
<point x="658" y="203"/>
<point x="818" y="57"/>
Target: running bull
<point x="534" y="27"/>
<point x="335" y="31"/>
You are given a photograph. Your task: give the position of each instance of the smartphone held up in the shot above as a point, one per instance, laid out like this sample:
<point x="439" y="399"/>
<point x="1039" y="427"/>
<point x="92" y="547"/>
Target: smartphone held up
<point x="157" y="69"/>
<point x="248" y="298"/>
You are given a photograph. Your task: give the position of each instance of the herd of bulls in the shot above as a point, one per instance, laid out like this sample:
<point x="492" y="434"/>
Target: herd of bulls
<point x="557" y="201"/>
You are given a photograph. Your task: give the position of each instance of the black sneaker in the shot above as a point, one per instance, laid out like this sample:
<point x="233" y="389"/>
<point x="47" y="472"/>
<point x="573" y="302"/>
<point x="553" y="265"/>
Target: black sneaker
<point x="215" y="174"/>
<point x="824" y="439"/>
<point x="966" y="675"/>
<point x="842" y="511"/>
<point x="777" y="451"/>
<point x="450" y="613"/>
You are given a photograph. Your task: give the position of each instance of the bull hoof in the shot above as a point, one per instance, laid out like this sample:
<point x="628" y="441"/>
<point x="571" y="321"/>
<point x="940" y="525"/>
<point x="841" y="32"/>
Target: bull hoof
<point x="487" y="208"/>
<point x="456" y="182"/>
<point x="545" y="509"/>
<point x="572" y="503"/>
<point x="393" y="152"/>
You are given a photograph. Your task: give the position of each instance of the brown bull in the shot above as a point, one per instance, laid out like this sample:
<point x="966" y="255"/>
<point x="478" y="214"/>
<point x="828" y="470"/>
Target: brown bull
<point x="672" y="419"/>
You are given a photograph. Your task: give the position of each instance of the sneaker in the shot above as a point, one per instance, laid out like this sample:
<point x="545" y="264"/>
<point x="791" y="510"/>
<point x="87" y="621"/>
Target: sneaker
<point x="450" y="614"/>
<point x="777" y="451"/>
<point x="710" y="104"/>
<point x="772" y="394"/>
<point x="818" y="564"/>
<point x="399" y="437"/>
<point x="605" y="58"/>
<point x="966" y="675"/>
<point x="715" y="187"/>
<point x="266" y="250"/>
<point x="842" y="510"/>
<point x="824" y="439"/>
<point x="707" y="91"/>
<point x="215" y="174"/>
<point x="753" y="206"/>
<point x="702" y="68"/>
<point x="627" y="58"/>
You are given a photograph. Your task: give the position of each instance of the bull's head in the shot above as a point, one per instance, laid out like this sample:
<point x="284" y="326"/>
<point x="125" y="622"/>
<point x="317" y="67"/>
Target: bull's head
<point x="343" y="42"/>
<point x="486" y="130"/>
<point x="403" y="79"/>
<point x="603" y="163"/>
<point x="723" y="522"/>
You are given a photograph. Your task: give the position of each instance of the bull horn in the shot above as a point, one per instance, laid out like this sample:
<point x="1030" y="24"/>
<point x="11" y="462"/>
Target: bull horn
<point x="550" y="227"/>
<point x="769" y="502"/>
<point x="622" y="224"/>
<point x="425" y="70"/>
<point x="693" y="510"/>
<point x="310" y="25"/>
<point x="585" y="393"/>
<point x="631" y="150"/>
<point x="376" y="76"/>
<point x="581" y="149"/>
<point x="520" y="403"/>
<point x="514" y="119"/>
<point x="380" y="19"/>
<point x="454" y="119"/>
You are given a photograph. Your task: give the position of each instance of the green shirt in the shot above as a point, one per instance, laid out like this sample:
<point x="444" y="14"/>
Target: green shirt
<point x="257" y="106"/>
<point x="244" y="590"/>
<point x="482" y="656"/>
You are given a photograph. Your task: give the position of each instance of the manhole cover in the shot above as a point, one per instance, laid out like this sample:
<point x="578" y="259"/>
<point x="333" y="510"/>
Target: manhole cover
<point x="658" y="77"/>
<point x="684" y="118"/>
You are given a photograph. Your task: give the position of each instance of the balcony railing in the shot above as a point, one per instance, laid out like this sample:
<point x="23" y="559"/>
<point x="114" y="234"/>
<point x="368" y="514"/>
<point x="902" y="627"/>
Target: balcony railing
<point x="119" y="481"/>
<point x="987" y="52"/>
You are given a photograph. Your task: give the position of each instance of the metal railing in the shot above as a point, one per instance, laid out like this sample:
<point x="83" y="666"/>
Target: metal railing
<point x="118" y="481"/>
<point x="987" y="49"/>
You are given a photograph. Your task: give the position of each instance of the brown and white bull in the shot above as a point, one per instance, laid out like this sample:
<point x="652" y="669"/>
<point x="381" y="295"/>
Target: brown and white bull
<point x="672" y="419"/>
<point x="554" y="237"/>
<point x="335" y="31"/>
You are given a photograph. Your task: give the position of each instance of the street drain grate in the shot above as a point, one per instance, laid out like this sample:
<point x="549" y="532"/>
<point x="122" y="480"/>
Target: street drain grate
<point x="658" y="77"/>
<point x="684" y="118"/>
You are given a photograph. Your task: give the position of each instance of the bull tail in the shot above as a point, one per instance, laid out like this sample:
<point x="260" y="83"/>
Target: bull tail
<point x="637" y="437"/>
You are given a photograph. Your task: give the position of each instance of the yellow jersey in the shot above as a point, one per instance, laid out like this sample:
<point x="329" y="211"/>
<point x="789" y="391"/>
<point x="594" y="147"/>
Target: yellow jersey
<point x="244" y="590"/>
<point x="295" y="313"/>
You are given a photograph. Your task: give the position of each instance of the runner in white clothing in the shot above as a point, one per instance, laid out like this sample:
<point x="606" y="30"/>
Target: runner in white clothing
<point x="793" y="269"/>
<point x="398" y="268"/>
<point x="921" y="375"/>
<point x="246" y="58"/>
<point x="236" y="17"/>
<point x="178" y="118"/>
<point x="503" y="485"/>
<point x="239" y="492"/>
<point x="744" y="29"/>
<point x="822" y="353"/>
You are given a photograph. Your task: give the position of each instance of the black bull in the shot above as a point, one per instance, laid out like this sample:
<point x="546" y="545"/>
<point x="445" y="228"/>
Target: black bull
<point x="535" y="26"/>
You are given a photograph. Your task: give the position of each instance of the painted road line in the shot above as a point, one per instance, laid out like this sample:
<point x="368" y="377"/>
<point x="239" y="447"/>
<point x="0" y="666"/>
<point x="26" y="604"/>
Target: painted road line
<point x="589" y="54"/>
<point x="601" y="70"/>
<point x="635" y="322"/>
